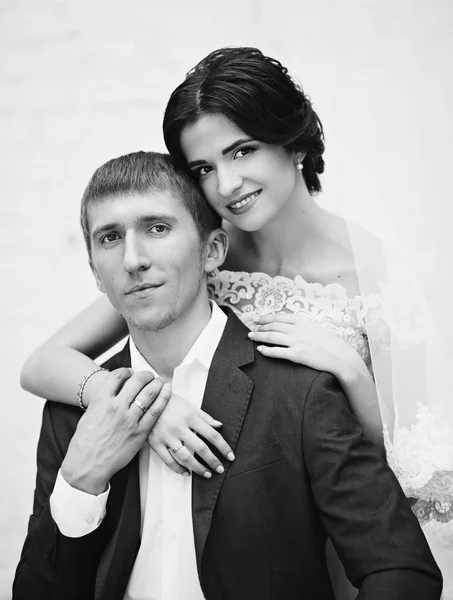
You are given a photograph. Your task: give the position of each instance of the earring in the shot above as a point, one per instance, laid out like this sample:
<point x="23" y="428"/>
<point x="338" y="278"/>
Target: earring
<point x="300" y="164"/>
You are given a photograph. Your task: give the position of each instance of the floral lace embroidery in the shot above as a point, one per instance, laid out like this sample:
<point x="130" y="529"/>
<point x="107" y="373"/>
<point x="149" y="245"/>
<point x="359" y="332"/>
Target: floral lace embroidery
<point x="249" y="294"/>
<point x="421" y="456"/>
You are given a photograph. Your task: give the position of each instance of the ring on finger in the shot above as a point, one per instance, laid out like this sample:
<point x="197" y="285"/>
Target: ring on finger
<point x="141" y="406"/>
<point x="175" y="450"/>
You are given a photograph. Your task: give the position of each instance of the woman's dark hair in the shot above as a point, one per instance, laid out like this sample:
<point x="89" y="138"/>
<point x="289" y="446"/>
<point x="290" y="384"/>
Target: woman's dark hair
<point x="256" y="93"/>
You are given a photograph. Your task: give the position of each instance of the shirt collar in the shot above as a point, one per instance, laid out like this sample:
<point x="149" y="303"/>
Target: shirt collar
<point x="201" y="351"/>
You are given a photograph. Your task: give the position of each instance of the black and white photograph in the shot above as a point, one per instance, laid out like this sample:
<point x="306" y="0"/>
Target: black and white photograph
<point x="227" y="287"/>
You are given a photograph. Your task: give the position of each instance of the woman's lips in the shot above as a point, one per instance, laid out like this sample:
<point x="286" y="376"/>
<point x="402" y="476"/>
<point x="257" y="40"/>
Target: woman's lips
<point x="244" y="203"/>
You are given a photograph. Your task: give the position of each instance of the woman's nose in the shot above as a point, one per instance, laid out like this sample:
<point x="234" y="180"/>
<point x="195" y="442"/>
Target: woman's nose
<point x="228" y="181"/>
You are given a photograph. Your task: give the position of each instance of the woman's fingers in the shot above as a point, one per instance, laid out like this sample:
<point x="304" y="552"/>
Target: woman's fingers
<point x="167" y="458"/>
<point x="269" y="337"/>
<point x="274" y="318"/>
<point x="186" y="459"/>
<point x="209" y="420"/>
<point x="276" y="326"/>
<point x="184" y="454"/>
<point x="277" y="352"/>
<point x="195" y="444"/>
<point x="183" y="422"/>
<point x="215" y="439"/>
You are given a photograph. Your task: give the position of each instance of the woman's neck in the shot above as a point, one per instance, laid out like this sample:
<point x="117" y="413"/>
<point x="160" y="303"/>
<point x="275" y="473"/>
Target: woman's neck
<point x="292" y="236"/>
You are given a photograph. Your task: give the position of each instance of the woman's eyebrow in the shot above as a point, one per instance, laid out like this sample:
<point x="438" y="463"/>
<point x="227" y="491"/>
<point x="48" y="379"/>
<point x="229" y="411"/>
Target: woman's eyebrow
<point x="233" y="146"/>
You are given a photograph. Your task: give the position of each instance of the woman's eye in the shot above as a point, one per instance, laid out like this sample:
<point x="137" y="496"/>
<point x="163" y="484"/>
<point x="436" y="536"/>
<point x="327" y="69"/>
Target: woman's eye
<point x="243" y="151"/>
<point x="203" y="171"/>
<point x="109" y="238"/>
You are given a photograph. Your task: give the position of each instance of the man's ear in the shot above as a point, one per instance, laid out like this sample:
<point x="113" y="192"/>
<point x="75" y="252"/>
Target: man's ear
<point x="99" y="283"/>
<point x="215" y="250"/>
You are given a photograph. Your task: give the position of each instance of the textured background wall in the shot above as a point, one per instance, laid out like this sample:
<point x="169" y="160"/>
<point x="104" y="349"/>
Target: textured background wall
<point x="82" y="81"/>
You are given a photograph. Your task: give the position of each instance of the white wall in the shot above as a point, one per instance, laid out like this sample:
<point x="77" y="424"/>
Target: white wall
<point x="82" y="81"/>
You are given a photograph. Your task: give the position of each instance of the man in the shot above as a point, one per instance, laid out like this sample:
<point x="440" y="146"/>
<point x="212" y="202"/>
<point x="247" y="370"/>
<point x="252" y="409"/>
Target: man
<point x="303" y="469"/>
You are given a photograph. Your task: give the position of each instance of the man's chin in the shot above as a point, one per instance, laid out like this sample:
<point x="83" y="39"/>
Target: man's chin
<point x="147" y="320"/>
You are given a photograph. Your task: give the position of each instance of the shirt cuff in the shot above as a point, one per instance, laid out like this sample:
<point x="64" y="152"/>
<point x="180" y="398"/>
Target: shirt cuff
<point x="76" y="513"/>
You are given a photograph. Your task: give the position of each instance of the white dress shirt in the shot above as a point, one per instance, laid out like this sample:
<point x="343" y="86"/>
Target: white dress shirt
<point x="165" y="567"/>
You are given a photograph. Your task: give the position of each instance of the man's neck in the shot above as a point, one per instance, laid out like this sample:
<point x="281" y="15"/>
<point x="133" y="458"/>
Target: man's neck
<point x="166" y="348"/>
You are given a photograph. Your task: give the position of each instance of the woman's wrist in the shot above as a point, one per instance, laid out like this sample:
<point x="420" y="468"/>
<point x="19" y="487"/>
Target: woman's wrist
<point x="350" y="368"/>
<point x="92" y="385"/>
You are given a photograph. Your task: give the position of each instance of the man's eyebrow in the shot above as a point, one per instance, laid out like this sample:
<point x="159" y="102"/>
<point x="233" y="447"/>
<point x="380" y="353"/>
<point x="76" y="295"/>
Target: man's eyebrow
<point x="233" y="146"/>
<point x="103" y="228"/>
<point x="157" y="217"/>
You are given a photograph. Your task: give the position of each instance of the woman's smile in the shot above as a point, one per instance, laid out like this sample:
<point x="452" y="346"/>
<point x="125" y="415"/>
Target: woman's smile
<point x="244" y="204"/>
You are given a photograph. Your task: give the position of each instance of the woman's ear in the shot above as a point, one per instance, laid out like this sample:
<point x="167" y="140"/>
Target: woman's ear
<point x="299" y="156"/>
<point x="216" y="250"/>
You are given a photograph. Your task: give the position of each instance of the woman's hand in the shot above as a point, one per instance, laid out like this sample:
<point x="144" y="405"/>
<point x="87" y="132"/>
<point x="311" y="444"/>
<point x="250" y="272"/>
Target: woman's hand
<point x="179" y="427"/>
<point x="297" y="338"/>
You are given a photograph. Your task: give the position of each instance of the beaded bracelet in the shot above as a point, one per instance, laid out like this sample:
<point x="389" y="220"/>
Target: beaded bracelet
<point x="82" y="385"/>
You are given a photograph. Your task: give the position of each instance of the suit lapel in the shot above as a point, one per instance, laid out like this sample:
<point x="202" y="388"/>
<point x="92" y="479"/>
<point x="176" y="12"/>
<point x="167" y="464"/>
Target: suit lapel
<point x="227" y="396"/>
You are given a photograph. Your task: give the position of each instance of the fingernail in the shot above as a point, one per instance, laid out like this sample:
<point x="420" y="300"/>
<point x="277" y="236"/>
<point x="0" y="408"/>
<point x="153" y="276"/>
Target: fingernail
<point x="230" y="456"/>
<point x="186" y="474"/>
<point x="218" y="422"/>
<point x="207" y="474"/>
<point x="250" y="334"/>
<point x="220" y="469"/>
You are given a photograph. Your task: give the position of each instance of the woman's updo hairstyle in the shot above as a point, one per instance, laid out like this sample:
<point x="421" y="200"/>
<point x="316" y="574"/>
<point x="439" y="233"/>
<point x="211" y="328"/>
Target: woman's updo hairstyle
<point x="256" y="93"/>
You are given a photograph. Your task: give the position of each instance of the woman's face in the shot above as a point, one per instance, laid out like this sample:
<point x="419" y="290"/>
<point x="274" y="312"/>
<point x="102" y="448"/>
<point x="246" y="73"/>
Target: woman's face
<point x="247" y="182"/>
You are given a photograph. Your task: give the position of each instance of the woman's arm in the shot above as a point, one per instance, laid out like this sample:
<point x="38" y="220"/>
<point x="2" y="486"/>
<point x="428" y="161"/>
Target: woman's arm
<point x="359" y="387"/>
<point x="56" y="368"/>
<point x="298" y="339"/>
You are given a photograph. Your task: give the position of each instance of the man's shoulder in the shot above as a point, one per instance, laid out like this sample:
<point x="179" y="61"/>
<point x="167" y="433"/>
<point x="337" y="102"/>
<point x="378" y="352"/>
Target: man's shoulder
<point x="263" y="368"/>
<point x="294" y="377"/>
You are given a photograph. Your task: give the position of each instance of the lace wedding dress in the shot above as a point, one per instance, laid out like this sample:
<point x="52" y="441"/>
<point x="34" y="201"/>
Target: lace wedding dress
<point x="420" y="453"/>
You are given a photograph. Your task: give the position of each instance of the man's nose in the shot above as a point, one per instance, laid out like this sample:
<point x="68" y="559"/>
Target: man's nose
<point x="228" y="181"/>
<point x="136" y="257"/>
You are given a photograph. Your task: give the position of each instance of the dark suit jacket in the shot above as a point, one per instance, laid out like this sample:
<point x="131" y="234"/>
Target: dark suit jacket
<point x="303" y="471"/>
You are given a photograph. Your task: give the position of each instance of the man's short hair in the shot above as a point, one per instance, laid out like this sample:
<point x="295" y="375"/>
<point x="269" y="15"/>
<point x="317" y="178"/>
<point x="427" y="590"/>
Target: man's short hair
<point x="142" y="172"/>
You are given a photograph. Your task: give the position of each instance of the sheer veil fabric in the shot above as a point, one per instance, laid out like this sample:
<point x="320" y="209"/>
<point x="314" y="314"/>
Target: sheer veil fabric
<point x="410" y="359"/>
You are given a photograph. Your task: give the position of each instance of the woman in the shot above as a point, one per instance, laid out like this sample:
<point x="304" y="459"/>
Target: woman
<point x="314" y="244"/>
<point x="251" y="138"/>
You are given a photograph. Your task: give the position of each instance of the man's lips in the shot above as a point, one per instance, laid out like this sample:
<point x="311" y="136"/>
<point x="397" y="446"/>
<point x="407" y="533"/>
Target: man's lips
<point x="141" y="287"/>
<point x="244" y="202"/>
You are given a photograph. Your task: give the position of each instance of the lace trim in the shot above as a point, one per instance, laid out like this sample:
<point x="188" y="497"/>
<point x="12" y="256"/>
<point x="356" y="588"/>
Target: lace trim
<point x="421" y="456"/>
<point x="250" y="294"/>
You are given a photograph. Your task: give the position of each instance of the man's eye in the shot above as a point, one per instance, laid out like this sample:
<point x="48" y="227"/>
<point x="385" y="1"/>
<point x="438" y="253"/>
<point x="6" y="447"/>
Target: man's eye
<point x="109" y="238"/>
<point x="159" y="229"/>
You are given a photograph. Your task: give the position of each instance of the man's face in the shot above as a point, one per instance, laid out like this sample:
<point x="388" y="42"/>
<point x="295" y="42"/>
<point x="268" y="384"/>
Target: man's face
<point x="147" y="256"/>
